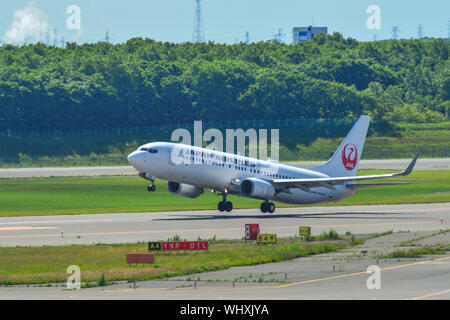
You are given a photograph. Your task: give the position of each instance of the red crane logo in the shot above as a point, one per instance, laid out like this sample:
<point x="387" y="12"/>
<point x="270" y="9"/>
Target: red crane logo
<point x="349" y="156"/>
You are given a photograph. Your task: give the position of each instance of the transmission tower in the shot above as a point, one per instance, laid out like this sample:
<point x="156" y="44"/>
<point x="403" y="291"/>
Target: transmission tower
<point x="107" y="38"/>
<point x="47" y="38"/>
<point x="55" y="38"/>
<point x="420" y="32"/>
<point x="394" y="32"/>
<point x="247" y="37"/>
<point x="198" y="34"/>
<point x="278" y="36"/>
<point x="448" y="29"/>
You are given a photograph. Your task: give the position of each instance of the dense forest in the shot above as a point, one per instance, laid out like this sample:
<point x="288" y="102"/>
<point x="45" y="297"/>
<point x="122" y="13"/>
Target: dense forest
<point x="142" y="82"/>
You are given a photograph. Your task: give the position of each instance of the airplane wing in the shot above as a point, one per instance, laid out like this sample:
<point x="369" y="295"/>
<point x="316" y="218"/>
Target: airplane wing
<point x="305" y="184"/>
<point x="370" y="185"/>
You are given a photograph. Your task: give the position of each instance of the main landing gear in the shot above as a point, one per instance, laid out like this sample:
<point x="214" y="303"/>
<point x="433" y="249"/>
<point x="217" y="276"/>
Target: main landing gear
<point x="225" y="205"/>
<point x="267" y="207"/>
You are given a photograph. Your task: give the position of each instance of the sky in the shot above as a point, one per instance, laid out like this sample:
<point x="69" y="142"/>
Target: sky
<point x="224" y="21"/>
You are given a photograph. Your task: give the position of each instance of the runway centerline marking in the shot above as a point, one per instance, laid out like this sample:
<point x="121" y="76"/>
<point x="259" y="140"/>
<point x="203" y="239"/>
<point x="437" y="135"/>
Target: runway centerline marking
<point x="25" y="228"/>
<point x="58" y="221"/>
<point x="206" y="229"/>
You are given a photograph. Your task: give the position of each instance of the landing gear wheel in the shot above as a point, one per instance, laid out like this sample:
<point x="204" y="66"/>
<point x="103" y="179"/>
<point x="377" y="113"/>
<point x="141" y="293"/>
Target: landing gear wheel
<point x="224" y="205"/>
<point x="228" y="206"/>
<point x="263" y="207"/>
<point x="151" y="188"/>
<point x="267" y="207"/>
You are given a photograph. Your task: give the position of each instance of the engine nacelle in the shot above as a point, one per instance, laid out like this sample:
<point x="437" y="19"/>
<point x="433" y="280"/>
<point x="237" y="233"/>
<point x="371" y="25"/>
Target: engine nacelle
<point x="184" y="190"/>
<point x="257" y="188"/>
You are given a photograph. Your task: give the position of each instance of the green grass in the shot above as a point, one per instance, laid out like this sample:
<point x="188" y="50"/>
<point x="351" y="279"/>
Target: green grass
<point x="431" y="186"/>
<point x="413" y="242"/>
<point x="330" y="235"/>
<point x="412" y="253"/>
<point x="40" y="265"/>
<point x="55" y="196"/>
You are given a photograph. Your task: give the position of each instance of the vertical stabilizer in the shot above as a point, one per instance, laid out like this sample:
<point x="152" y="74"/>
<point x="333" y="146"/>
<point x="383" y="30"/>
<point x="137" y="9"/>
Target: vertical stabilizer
<point x="345" y="161"/>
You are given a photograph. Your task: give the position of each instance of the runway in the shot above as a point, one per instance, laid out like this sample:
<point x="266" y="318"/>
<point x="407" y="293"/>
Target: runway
<point x="133" y="227"/>
<point x="393" y="164"/>
<point x="335" y="275"/>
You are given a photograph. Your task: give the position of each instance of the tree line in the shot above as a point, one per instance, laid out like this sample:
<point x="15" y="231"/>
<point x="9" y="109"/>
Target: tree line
<point x="144" y="82"/>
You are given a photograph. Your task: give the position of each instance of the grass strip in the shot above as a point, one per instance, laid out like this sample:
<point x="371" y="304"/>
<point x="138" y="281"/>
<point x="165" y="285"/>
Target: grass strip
<point x="412" y="253"/>
<point x="43" y="265"/>
<point x="83" y="195"/>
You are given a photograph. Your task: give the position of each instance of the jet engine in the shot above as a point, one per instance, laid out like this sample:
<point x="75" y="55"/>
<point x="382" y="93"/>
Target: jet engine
<point x="257" y="188"/>
<point x="184" y="190"/>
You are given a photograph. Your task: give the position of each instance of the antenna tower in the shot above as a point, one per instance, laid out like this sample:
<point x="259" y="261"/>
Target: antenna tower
<point x="107" y="38"/>
<point x="198" y="34"/>
<point x="420" y="32"/>
<point x="278" y="36"/>
<point x="394" y="32"/>
<point x="55" y="38"/>
<point x="448" y="29"/>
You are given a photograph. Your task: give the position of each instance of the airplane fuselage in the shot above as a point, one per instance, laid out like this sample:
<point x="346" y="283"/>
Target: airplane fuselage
<point x="223" y="172"/>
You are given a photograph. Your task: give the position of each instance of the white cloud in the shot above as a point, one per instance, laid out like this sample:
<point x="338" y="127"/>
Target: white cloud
<point x="30" y="24"/>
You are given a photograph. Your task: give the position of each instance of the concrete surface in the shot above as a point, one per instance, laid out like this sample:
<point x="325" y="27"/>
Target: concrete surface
<point x="133" y="227"/>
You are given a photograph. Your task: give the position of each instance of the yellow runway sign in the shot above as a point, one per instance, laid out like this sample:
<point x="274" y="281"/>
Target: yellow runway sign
<point x="304" y="230"/>
<point x="266" y="238"/>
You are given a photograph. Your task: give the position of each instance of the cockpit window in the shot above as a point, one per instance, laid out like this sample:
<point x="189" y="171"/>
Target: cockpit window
<point x="151" y="150"/>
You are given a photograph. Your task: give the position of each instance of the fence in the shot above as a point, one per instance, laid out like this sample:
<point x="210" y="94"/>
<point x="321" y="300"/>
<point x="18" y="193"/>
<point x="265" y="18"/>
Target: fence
<point x="117" y="159"/>
<point x="231" y="124"/>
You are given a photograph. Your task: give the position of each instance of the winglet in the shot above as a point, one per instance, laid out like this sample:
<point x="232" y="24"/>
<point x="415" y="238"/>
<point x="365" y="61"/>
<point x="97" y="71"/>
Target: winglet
<point x="411" y="166"/>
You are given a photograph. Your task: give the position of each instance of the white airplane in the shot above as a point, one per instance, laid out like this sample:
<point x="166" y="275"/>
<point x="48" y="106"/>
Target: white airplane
<point x="189" y="170"/>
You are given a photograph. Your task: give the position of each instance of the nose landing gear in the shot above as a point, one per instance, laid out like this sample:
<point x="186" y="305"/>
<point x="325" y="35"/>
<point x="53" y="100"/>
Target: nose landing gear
<point x="151" y="187"/>
<point x="147" y="176"/>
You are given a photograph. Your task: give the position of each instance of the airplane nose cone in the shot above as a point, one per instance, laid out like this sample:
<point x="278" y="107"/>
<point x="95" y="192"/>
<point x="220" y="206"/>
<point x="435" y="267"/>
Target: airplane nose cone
<point x="132" y="157"/>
